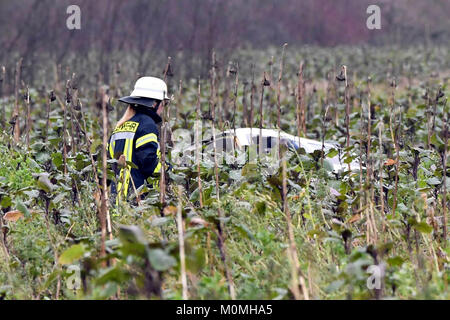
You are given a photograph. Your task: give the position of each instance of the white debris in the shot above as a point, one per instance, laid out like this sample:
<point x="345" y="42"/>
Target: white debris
<point x="248" y="136"/>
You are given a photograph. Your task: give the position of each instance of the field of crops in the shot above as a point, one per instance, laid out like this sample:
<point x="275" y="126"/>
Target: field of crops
<point x="227" y="230"/>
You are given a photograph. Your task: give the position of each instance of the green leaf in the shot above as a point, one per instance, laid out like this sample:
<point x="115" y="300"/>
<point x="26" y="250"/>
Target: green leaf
<point x="332" y="153"/>
<point x="395" y="261"/>
<point x="132" y="165"/>
<point x="436" y="140"/>
<point x="316" y="232"/>
<point x="132" y="234"/>
<point x="57" y="159"/>
<point x="195" y="259"/>
<point x="250" y="172"/>
<point x="6" y="202"/>
<point x="434" y="181"/>
<point x="160" y="260"/>
<point x="42" y="157"/>
<point x="423" y="227"/>
<point x="32" y="194"/>
<point x="22" y="208"/>
<point x="245" y="231"/>
<point x="348" y="160"/>
<point x="52" y="277"/>
<point x="160" y="221"/>
<point x="44" y="183"/>
<point x="95" y="144"/>
<point x="261" y="207"/>
<point x="112" y="274"/>
<point x="72" y="254"/>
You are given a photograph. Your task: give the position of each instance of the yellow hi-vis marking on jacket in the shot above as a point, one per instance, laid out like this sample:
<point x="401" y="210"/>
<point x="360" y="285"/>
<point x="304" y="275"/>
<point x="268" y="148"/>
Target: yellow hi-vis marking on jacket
<point x="125" y="173"/>
<point x="124" y="132"/>
<point x="129" y="126"/>
<point x="151" y="137"/>
<point x="158" y="167"/>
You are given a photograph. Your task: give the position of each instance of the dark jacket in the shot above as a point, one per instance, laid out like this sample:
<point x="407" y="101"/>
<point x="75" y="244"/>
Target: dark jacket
<point x="138" y="140"/>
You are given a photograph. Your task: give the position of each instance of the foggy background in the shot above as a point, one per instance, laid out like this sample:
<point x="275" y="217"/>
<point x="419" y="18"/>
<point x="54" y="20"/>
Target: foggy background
<point x="145" y="30"/>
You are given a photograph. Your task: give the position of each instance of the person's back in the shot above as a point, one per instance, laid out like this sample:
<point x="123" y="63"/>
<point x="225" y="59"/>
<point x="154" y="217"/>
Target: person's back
<point x="136" y="138"/>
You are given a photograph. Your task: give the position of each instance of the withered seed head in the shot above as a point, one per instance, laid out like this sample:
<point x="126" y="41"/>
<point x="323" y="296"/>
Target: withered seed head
<point x="13" y="120"/>
<point x="207" y="116"/>
<point x="393" y="83"/>
<point x="170" y="71"/>
<point x="265" y="82"/>
<point x="439" y="94"/>
<point x="52" y="96"/>
<point x="74" y="83"/>
<point x="340" y="77"/>
<point x="77" y="107"/>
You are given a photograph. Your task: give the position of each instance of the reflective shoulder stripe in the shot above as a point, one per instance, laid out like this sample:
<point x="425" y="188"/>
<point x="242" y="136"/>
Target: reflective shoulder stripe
<point x="122" y="135"/>
<point x="151" y="137"/>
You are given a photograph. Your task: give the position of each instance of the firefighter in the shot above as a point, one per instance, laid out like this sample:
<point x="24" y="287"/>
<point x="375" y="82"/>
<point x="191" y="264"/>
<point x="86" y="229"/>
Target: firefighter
<point x="135" y="138"/>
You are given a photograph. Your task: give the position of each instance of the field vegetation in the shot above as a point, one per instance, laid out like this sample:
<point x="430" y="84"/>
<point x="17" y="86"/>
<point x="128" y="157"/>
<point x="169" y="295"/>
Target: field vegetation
<point x="213" y="230"/>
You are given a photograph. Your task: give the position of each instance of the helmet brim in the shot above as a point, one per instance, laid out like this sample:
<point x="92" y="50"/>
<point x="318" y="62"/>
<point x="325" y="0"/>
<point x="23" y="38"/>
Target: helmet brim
<point x="141" y="101"/>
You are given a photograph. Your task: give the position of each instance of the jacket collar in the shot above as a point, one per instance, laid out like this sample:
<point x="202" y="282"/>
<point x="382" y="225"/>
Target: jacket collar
<point x="152" y="114"/>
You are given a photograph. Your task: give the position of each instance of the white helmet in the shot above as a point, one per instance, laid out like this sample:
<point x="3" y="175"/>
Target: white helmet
<point x="146" y="90"/>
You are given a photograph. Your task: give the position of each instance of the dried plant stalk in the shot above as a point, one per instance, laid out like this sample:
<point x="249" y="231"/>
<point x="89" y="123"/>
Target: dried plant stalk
<point x="2" y="89"/>
<point x="162" y="181"/>
<point x="104" y="210"/>
<point x="180" y="225"/>
<point x="280" y="76"/>
<point x="28" y="123"/>
<point x="235" y="93"/>
<point x="380" y="156"/>
<point x="347" y="113"/>
<point x="297" y="279"/>
<point x="264" y="83"/>
<point x="220" y="226"/>
<point x="197" y="145"/>
<point x="300" y="105"/>
<point x="15" y="115"/>
<point x="444" y="170"/>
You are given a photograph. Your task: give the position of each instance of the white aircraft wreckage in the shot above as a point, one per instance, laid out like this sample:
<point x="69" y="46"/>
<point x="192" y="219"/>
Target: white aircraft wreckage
<point x="241" y="145"/>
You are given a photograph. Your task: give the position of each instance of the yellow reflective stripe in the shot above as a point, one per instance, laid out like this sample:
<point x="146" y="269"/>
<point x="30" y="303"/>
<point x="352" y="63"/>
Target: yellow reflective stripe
<point x="151" y="137"/>
<point x="158" y="168"/>
<point x="128" y="149"/>
<point x="128" y="157"/>
<point x="119" y="185"/>
<point x="121" y="177"/>
<point x="128" y="153"/>
<point x="111" y="147"/>
<point x="111" y="151"/>
<point x="127" y="182"/>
